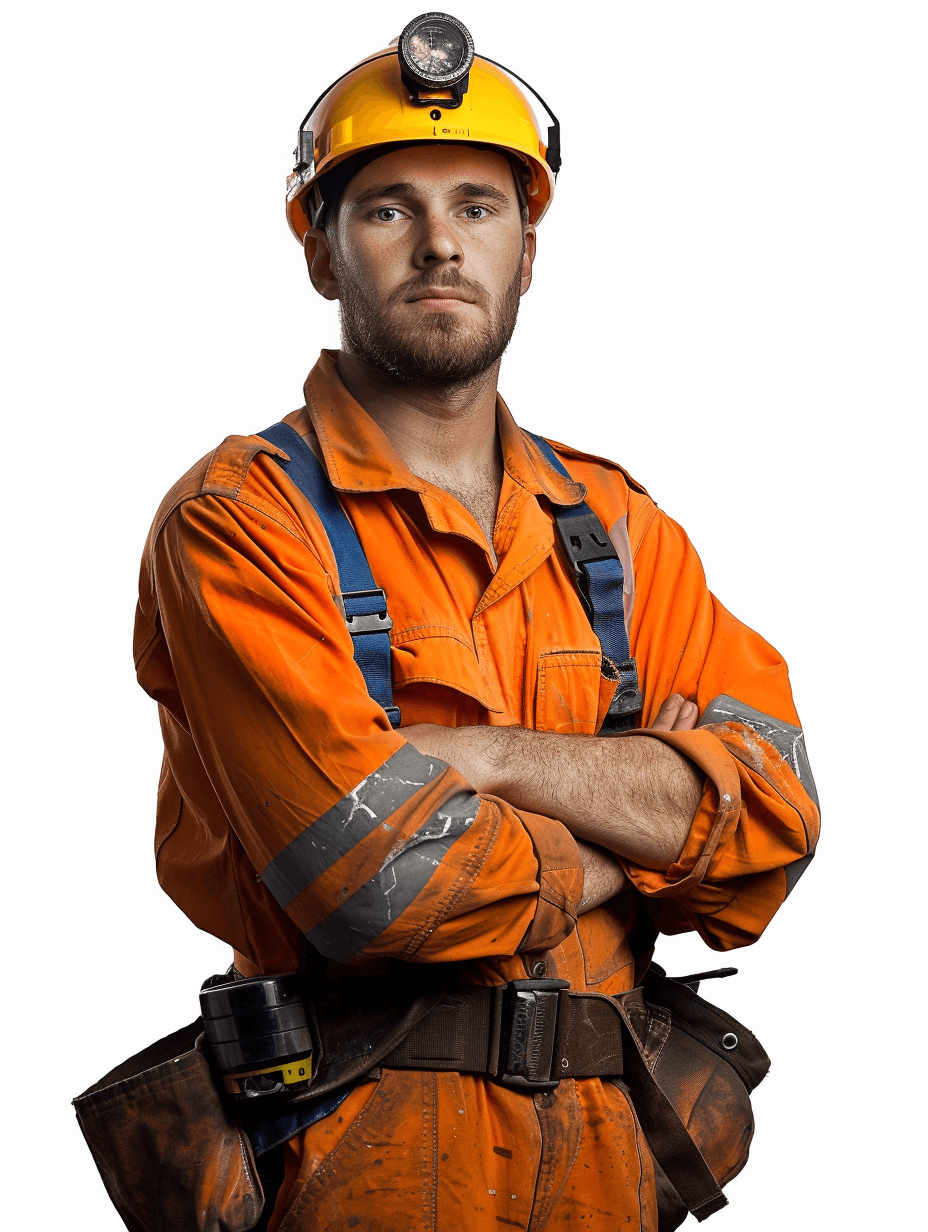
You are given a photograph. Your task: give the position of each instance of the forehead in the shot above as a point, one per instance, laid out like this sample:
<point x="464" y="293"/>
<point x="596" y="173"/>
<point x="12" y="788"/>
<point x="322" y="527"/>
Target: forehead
<point x="433" y="169"/>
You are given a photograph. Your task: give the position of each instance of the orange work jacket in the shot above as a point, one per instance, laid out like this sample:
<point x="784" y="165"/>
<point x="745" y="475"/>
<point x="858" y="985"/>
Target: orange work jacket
<point x="289" y="808"/>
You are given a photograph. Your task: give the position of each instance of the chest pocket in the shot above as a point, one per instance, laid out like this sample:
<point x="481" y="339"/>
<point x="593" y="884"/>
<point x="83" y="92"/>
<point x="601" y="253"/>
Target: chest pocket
<point x="572" y="695"/>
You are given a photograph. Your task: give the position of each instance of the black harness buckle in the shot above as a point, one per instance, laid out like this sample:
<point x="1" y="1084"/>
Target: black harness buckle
<point x="527" y="1034"/>
<point x="584" y="538"/>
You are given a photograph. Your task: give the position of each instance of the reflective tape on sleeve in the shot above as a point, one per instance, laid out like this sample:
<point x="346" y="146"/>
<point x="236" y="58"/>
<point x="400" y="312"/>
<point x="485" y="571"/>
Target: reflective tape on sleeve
<point x="355" y="816"/>
<point x="373" y="908"/>
<point x="789" y="742"/>
<point x="786" y="738"/>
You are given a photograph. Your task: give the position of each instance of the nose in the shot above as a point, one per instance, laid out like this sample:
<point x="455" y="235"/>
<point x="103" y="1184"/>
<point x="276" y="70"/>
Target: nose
<point x="437" y="243"/>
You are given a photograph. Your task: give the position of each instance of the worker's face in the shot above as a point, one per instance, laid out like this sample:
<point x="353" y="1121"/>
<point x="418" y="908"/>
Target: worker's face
<point x="428" y="256"/>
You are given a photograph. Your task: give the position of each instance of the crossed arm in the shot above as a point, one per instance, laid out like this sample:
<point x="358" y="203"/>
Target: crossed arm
<point x="635" y="797"/>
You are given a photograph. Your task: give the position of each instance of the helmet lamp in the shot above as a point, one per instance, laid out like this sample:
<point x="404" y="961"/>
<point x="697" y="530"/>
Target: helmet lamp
<point x="436" y="52"/>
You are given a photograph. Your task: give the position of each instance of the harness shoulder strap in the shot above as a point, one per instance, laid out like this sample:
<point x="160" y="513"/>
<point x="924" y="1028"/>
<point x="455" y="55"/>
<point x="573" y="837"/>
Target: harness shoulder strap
<point x="596" y="566"/>
<point x="365" y="603"/>
<point x="600" y="580"/>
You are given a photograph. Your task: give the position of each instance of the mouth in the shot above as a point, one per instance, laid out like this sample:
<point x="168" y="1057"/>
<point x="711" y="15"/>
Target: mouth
<point x="439" y="299"/>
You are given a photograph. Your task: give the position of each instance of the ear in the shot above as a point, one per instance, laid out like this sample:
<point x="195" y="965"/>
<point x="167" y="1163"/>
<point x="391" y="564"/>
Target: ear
<point x="528" y="258"/>
<point x="319" y="263"/>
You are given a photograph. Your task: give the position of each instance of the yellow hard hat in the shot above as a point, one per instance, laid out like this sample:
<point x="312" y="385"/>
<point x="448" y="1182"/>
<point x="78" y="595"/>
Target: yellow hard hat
<point x="429" y="86"/>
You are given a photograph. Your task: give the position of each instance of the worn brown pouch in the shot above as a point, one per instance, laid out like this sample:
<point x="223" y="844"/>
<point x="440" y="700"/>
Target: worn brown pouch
<point x="170" y="1156"/>
<point x="679" y="1038"/>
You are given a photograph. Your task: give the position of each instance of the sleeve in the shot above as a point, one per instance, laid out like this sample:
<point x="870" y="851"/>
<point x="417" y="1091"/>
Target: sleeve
<point x="371" y="848"/>
<point x="757" y="825"/>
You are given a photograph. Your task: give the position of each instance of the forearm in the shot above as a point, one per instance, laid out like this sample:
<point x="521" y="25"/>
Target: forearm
<point x="634" y="796"/>
<point x="603" y="876"/>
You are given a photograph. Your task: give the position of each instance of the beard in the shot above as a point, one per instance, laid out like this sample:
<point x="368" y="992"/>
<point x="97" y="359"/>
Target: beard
<point x="437" y="350"/>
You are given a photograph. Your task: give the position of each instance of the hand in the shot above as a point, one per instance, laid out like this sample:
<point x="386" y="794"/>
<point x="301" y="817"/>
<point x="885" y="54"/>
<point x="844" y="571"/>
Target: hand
<point x="676" y="714"/>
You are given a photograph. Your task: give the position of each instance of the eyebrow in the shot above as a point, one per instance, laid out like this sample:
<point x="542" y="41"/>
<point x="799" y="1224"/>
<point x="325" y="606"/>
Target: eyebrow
<point x="404" y="188"/>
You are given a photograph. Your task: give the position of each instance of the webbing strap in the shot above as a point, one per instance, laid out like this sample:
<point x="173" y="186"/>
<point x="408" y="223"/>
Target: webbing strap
<point x="467" y="1032"/>
<point x="600" y="581"/>
<point x="667" y="1136"/>
<point x="365" y="603"/>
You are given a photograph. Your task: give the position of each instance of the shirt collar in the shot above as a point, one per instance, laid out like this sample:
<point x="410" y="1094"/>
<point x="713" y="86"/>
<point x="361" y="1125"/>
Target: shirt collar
<point x="359" y="457"/>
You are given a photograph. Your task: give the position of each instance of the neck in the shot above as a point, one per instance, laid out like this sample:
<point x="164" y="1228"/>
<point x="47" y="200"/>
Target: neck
<point x="443" y="428"/>
<point x="446" y="435"/>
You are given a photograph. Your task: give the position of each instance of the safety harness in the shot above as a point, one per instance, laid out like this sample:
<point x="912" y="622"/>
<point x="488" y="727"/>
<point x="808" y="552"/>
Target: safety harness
<point x="594" y="562"/>
<point x="528" y="1033"/>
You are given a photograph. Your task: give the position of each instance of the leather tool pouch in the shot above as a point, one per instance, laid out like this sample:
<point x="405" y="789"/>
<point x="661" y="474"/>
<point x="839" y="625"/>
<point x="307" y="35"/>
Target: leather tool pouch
<point x="169" y="1153"/>
<point x="691" y="1063"/>
<point x="165" y="1139"/>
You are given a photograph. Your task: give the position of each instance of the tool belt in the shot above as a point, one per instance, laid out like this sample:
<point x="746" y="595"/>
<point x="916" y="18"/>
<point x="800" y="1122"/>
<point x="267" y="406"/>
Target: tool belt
<point x="661" y="1042"/>
<point x="172" y="1152"/>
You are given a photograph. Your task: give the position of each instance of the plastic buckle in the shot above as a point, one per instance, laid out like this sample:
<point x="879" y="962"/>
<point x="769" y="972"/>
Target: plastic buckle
<point x="628" y="696"/>
<point x="527" y="1034"/>
<point x="585" y="539"/>
<point x="375" y="620"/>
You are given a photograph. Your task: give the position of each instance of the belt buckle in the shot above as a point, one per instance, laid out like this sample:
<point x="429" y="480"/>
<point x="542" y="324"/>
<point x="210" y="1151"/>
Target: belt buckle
<point x="529" y="1023"/>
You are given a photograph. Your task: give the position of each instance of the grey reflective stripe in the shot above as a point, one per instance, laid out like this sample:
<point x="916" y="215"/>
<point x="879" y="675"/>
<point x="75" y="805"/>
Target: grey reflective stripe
<point x="786" y="738"/>
<point x="359" y="920"/>
<point x="354" y="817"/>
<point x="789" y="742"/>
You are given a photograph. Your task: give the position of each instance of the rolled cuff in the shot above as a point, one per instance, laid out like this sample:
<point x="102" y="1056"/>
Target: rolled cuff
<point x="560" y="882"/>
<point x="716" y="817"/>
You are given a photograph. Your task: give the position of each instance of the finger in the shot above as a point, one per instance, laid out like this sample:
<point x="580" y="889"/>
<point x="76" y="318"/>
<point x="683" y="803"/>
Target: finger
<point x="667" y="715"/>
<point x="686" y="717"/>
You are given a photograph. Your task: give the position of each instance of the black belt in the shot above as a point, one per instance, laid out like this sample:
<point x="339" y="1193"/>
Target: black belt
<point x="527" y="1033"/>
<point x="533" y="1033"/>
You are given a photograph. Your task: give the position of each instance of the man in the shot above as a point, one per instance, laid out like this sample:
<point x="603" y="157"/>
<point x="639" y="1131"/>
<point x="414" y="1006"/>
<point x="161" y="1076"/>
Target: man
<point x="461" y="816"/>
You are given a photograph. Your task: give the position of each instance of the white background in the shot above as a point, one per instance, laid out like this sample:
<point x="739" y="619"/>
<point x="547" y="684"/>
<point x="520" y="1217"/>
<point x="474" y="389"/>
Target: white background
<point x="729" y="299"/>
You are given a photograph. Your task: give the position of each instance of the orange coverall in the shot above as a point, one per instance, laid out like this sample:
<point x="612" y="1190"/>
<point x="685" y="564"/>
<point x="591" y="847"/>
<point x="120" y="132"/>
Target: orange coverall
<point x="270" y="733"/>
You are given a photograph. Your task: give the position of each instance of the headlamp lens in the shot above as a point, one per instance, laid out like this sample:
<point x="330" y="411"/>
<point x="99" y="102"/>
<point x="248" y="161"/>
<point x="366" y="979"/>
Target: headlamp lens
<point x="436" y="50"/>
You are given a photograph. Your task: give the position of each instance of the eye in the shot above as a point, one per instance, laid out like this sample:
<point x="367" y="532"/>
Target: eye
<point x="476" y="212"/>
<point x="389" y="213"/>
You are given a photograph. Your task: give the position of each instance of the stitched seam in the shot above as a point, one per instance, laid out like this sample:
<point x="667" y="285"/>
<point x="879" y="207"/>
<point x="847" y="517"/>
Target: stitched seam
<point x="458" y="688"/>
<point x="638" y="1153"/>
<point x="248" y="1176"/>
<point x="434" y="1151"/>
<point x="494" y="593"/>
<point x="431" y="631"/>
<point x="505" y="523"/>
<point x="268" y="511"/>
<point x="303" y="1198"/>
<point x="327" y="450"/>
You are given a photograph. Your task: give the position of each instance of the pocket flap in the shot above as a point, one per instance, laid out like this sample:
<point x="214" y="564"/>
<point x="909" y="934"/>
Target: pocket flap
<point x="438" y="654"/>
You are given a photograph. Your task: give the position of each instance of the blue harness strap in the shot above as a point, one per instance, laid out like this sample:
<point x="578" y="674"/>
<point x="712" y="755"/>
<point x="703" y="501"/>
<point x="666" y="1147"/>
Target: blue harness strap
<point x="597" y="571"/>
<point x="600" y="580"/>
<point x="365" y="603"/>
